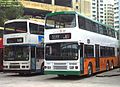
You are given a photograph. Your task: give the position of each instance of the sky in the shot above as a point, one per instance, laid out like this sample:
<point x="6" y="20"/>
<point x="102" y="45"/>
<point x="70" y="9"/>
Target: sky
<point x="109" y="1"/>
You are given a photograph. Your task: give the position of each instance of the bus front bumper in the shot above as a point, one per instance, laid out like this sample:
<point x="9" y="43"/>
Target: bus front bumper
<point x="63" y="72"/>
<point x="17" y="71"/>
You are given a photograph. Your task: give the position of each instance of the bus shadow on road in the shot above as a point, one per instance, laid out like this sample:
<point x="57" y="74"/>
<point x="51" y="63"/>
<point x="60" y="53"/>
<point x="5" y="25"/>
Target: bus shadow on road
<point x="22" y="75"/>
<point x="69" y="78"/>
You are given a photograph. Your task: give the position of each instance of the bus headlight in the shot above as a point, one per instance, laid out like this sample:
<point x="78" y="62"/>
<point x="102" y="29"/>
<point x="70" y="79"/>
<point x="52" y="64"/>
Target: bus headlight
<point x="47" y="67"/>
<point x="23" y="66"/>
<point x="27" y="66"/>
<point x="71" y="67"/>
<point x="5" y="66"/>
<point x="76" y="67"/>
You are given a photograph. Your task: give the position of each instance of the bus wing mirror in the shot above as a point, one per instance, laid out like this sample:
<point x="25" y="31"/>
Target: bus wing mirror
<point x="79" y="42"/>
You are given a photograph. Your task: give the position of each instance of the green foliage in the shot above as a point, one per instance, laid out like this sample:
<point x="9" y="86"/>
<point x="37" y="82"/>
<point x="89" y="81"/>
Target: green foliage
<point x="26" y="17"/>
<point x="10" y="9"/>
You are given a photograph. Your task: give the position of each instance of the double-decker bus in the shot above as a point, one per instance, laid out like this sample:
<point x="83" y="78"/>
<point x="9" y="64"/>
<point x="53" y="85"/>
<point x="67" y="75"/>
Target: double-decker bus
<point x="1" y="48"/>
<point x="77" y="45"/>
<point x="24" y="49"/>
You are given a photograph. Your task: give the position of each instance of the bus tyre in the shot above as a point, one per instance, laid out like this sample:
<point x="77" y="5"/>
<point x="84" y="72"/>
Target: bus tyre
<point x="42" y="69"/>
<point x="112" y="65"/>
<point x="107" y="66"/>
<point x="90" y="72"/>
<point x="21" y="74"/>
<point x="61" y="76"/>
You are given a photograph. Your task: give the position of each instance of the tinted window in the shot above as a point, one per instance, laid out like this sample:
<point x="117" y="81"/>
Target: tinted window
<point x="61" y="51"/>
<point x="100" y="29"/>
<point x="16" y="53"/>
<point x="88" y="25"/>
<point x="15" y="27"/>
<point x="104" y="30"/>
<point x="60" y="21"/>
<point x="36" y="29"/>
<point x="107" y="51"/>
<point x="89" y="50"/>
<point x="40" y="53"/>
<point x="81" y="22"/>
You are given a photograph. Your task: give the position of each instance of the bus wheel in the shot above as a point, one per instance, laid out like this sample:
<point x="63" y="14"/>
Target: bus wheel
<point x="90" y="72"/>
<point x="22" y="74"/>
<point x="107" y="66"/>
<point x="61" y="76"/>
<point x="112" y="65"/>
<point x="42" y="69"/>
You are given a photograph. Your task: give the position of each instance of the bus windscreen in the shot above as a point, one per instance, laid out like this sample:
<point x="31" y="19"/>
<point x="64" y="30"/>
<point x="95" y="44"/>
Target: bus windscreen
<point x="61" y="51"/>
<point x="16" y="53"/>
<point x="60" y="21"/>
<point x="15" y="27"/>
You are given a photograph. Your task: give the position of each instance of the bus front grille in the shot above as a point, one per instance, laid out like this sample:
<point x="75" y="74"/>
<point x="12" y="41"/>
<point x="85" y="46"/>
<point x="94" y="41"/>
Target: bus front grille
<point x="14" y="66"/>
<point x="60" y="67"/>
<point x="59" y="63"/>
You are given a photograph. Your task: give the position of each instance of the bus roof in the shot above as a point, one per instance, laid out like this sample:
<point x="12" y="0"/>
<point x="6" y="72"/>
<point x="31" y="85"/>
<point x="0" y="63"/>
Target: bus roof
<point x="23" y="20"/>
<point x="74" y="12"/>
<point x="61" y="12"/>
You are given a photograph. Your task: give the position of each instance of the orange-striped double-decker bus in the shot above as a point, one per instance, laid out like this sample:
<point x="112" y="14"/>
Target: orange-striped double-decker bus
<point x="77" y="45"/>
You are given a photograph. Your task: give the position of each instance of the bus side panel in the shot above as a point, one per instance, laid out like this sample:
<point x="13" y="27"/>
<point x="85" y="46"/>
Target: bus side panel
<point x="104" y="60"/>
<point x="102" y="64"/>
<point x="86" y="63"/>
<point x="115" y="61"/>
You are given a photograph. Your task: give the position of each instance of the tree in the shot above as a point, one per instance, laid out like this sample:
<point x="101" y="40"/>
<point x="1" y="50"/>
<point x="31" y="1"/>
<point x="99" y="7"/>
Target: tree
<point x="2" y="17"/>
<point x="10" y="9"/>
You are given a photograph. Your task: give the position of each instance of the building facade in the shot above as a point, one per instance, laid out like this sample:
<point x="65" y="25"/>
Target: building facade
<point x="117" y="14"/>
<point x="82" y="6"/>
<point x="109" y="14"/>
<point x="97" y="12"/>
<point x="39" y="8"/>
<point x="93" y="9"/>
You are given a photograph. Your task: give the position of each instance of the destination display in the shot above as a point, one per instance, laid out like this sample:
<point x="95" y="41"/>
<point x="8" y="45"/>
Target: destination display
<point x="15" y="40"/>
<point x="60" y="36"/>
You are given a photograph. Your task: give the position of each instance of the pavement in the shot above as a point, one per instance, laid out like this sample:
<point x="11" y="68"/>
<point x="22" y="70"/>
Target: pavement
<point x="15" y="80"/>
<point x="114" y="72"/>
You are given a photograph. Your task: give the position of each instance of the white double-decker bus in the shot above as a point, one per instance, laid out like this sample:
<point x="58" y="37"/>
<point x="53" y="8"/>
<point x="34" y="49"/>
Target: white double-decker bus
<point x="77" y="45"/>
<point x="23" y="43"/>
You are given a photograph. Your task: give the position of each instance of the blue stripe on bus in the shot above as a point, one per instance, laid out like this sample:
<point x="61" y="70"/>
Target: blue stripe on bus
<point x="40" y="39"/>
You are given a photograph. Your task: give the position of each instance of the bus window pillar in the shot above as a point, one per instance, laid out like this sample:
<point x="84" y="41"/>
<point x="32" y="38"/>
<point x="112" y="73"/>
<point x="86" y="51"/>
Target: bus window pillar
<point x="53" y="3"/>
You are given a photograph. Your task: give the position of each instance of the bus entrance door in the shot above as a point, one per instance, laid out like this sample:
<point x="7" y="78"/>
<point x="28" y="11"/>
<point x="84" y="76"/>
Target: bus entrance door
<point x="97" y="57"/>
<point x="82" y="58"/>
<point x="33" y="59"/>
<point x="39" y="57"/>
